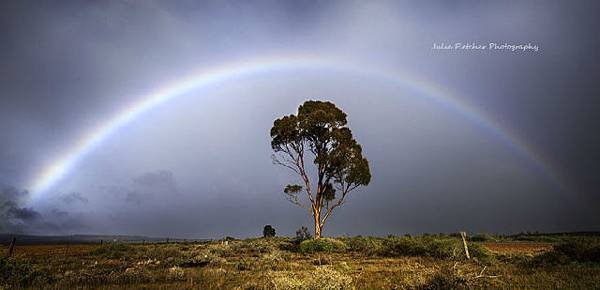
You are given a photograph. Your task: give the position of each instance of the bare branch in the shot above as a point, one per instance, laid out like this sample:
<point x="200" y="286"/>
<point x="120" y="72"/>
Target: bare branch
<point x="293" y="198"/>
<point x="277" y="161"/>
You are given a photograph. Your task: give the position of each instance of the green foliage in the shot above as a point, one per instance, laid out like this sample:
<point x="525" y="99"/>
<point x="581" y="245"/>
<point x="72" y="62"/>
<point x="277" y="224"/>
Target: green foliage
<point x="292" y="188"/>
<point x="169" y="254"/>
<point x="482" y="238"/>
<point x="581" y="250"/>
<point x="366" y="245"/>
<point x="538" y="238"/>
<point x="420" y="246"/>
<point x="302" y="234"/>
<point x="268" y="231"/>
<point x="321" y="128"/>
<point x="441" y="247"/>
<point x="16" y="273"/>
<point x="322" y="245"/>
<point x="480" y="253"/>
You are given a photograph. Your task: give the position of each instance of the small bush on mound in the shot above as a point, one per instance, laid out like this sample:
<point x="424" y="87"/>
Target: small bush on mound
<point x="572" y="251"/>
<point x="322" y="245"/>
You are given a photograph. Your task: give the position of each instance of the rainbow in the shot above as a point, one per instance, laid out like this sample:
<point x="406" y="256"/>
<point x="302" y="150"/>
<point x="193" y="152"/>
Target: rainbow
<point x="52" y="174"/>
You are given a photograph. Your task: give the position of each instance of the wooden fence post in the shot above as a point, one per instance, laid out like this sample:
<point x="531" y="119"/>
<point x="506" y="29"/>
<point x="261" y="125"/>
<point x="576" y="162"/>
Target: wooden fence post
<point x="11" y="248"/>
<point x="463" y="235"/>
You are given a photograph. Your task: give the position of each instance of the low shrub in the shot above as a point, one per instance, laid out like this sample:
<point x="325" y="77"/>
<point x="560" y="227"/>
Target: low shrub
<point x="572" y="251"/>
<point x="176" y="273"/>
<point x="481" y="253"/>
<point x="445" y="278"/>
<point x="482" y="238"/>
<point x="17" y="273"/>
<point x="325" y="277"/>
<point x="302" y="234"/>
<point x="163" y="252"/>
<point x="420" y="246"/>
<point x="322" y="278"/>
<point x="322" y="245"/>
<point x="366" y="245"/>
<point x="113" y="251"/>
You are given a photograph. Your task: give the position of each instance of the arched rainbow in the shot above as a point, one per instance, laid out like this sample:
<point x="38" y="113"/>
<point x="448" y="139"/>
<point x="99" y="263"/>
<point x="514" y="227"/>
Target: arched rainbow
<point x="56" y="171"/>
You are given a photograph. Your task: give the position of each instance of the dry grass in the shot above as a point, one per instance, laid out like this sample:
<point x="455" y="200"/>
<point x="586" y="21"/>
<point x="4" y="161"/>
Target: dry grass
<point x="279" y="264"/>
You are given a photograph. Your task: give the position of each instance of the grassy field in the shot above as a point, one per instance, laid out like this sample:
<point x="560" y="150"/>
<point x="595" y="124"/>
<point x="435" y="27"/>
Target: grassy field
<point x="426" y="262"/>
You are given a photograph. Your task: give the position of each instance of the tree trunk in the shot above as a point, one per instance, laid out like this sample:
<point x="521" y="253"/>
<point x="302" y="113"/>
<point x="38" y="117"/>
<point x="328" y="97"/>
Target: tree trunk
<point x="318" y="226"/>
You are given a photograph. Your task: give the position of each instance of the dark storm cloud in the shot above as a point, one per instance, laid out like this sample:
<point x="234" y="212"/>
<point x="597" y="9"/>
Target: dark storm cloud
<point x="24" y="214"/>
<point x="67" y="67"/>
<point x="16" y="218"/>
<point x="11" y="213"/>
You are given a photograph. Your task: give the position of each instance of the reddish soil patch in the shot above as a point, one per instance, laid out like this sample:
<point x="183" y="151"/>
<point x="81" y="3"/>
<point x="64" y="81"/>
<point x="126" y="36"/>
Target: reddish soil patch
<point x="518" y="247"/>
<point x="35" y="251"/>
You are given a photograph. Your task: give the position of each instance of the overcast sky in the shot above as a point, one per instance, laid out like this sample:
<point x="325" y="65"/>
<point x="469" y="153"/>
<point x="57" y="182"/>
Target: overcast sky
<point x="199" y="165"/>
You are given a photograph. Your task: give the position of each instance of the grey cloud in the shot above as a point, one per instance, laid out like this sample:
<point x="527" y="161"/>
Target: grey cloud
<point x="11" y="213"/>
<point x="145" y="187"/>
<point x="59" y="213"/>
<point x="17" y="218"/>
<point x="161" y="180"/>
<point x="73" y="197"/>
<point x="24" y="213"/>
<point x="135" y="197"/>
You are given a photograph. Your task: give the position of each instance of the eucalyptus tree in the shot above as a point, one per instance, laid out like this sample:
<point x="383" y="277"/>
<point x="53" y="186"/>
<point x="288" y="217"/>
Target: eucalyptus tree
<point x="319" y="133"/>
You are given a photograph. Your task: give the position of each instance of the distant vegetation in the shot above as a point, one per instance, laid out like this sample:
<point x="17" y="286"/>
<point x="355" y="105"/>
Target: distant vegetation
<point x="409" y="262"/>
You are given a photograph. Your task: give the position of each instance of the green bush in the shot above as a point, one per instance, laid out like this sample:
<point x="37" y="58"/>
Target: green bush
<point x="480" y="253"/>
<point x="420" y="246"/>
<point x="268" y="231"/>
<point x="482" y="238"/>
<point x="366" y="245"/>
<point x="322" y="245"/>
<point x="19" y="273"/>
<point x="112" y="251"/>
<point x="585" y="251"/>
